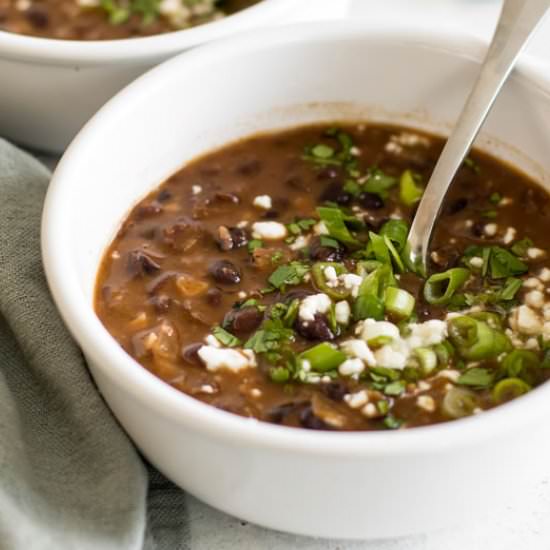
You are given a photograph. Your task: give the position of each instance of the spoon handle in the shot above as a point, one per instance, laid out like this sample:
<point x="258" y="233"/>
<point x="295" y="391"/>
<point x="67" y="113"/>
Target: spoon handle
<point x="518" y="21"/>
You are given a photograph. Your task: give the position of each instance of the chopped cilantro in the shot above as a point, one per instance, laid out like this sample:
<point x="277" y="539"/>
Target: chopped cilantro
<point x="288" y="274"/>
<point x="328" y="241"/>
<point x="495" y="197"/>
<point x="254" y="244"/>
<point x="225" y="337"/>
<point x="392" y="423"/>
<point x="477" y="377"/>
<point x="334" y="219"/>
<point x="520" y="248"/>
<point x="379" y="183"/>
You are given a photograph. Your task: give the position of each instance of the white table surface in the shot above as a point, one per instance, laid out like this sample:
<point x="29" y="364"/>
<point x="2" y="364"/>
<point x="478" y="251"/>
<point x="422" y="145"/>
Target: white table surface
<point x="520" y="525"/>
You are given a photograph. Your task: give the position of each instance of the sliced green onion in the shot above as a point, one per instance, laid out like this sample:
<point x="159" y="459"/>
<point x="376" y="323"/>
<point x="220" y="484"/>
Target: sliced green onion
<point x="522" y="364"/>
<point x="409" y="191"/>
<point x="473" y="339"/>
<point x="367" y="266"/>
<point x="396" y="231"/>
<point x="439" y="288"/>
<point x="323" y="357"/>
<point x="369" y="303"/>
<point x="444" y="352"/>
<point x="318" y="271"/>
<point x="509" y="389"/>
<point x="492" y="319"/>
<point x="291" y="313"/>
<point x="394" y="254"/>
<point x="279" y="374"/>
<point x="399" y="302"/>
<point x="459" y="402"/>
<point x="427" y="359"/>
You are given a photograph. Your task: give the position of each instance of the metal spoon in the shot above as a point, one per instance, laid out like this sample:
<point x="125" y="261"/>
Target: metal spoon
<point x="518" y="21"/>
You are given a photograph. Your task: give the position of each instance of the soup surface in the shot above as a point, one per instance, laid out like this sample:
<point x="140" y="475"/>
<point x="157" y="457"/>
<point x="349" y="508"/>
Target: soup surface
<point x="110" y="19"/>
<point x="268" y="279"/>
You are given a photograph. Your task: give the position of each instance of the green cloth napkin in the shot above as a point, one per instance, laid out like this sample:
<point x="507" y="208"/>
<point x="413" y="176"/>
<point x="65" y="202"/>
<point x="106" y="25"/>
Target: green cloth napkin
<point x="69" y="476"/>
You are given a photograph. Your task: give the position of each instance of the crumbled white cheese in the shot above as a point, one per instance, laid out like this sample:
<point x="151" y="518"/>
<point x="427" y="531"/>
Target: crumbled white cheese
<point x="546" y="312"/>
<point x="331" y="277"/>
<point x="533" y="282"/>
<point x="196" y="189"/>
<point x="226" y="358"/>
<point x="256" y="393"/>
<point x="544" y="275"/>
<point x="370" y="410"/>
<point x="356" y="400"/>
<point x="81" y="3"/>
<point x="175" y="11"/>
<point x="355" y="151"/>
<point x="373" y="329"/>
<point x="351" y="366"/>
<point x="524" y="320"/>
<point x="427" y="334"/>
<point x="300" y="242"/>
<point x="449" y="374"/>
<point x="477" y="262"/>
<point x="391" y="358"/>
<point x="320" y="228"/>
<point x="242" y="224"/>
<point x="342" y="312"/>
<point x="423" y="385"/>
<point x="426" y="402"/>
<point x="317" y="303"/>
<point x="510" y="235"/>
<point x="351" y="282"/>
<point x="359" y="349"/>
<point x="535" y="253"/>
<point x="263" y="201"/>
<point x="270" y="231"/>
<point x="490" y="229"/>
<point x="546" y="330"/>
<point x="207" y="388"/>
<point x="211" y="340"/>
<point x="534" y="298"/>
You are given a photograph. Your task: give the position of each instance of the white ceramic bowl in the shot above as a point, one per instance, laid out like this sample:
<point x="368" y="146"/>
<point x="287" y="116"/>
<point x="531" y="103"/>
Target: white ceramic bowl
<point x="353" y="485"/>
<point x="50" y="88"/>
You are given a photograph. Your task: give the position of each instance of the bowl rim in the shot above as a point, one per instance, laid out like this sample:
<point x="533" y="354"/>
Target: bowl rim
<point x="19" y="46"/>
<point x="123" y="371"/>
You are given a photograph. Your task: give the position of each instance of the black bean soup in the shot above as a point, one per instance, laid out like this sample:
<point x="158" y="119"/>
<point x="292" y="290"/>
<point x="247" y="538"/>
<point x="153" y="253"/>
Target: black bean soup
<point x="268" y="279"/>
<point x="110" y="19"/>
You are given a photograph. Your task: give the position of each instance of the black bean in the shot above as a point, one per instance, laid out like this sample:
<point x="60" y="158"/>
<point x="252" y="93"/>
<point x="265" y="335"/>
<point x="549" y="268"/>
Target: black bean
<point x="296" y="294"/>
<point x="214" y="297"/>
<point x="280" y="412"/>
<point x="370" y="201"/>
<point x="140" y="263"/>
<point x="250" y="168"/>
<point x="225" y="272"/>
<point x="161" y="303"/>
<point x="310" y="421"/>
<point x="317" y="329"/>
<point x="457" y="206"/>
<point x="239" y="237"/>
<point x="335" y="193"/>
<point x="320" y="253"/>
<point x="335" y="390"/>
<point x="298" y="184"/>
<point x="164" y="195"/>
<point x="38" y="16"/>
<point x="478" y="229"/>
<point x="329" y="173"/>
<point x="243" y="321"/>
<point x="148" y="210"/>
<point x="190" y="354"/>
